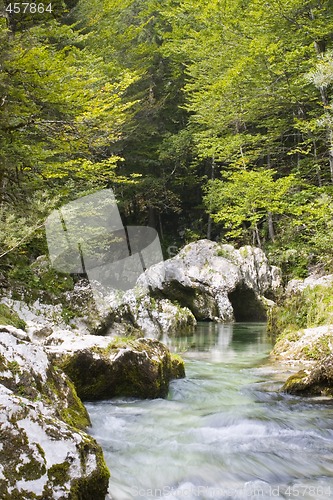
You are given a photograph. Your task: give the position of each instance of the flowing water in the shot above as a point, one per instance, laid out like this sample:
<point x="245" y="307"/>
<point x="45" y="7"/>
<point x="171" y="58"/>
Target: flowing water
<point x="224" y="432"/>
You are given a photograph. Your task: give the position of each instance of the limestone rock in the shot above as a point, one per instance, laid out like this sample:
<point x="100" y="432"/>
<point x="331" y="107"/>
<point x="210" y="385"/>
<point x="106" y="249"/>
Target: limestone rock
<point x="317" y="381"/>
<point x="296" y="286"/>
<point x="44" y="450"/>
<point x="43" y="457"/>
<point x="138" y="368"/>
<point x="215" y="281"/>
<point x="26" y="370"/>
<point x="306" y="345"/>
<point x="206" y="280"/>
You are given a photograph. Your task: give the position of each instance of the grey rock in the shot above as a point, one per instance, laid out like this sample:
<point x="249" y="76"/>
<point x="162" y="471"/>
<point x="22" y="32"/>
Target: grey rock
<point x="215" y="281"/>
<point x="119" y="367"/>
<point x="296" y="286"/>
<point x="317" y="381"/>
<point x="45" y="452"/>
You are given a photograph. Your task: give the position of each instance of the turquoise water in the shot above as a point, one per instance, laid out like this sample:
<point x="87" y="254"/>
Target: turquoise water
<point x="224" y="432"/>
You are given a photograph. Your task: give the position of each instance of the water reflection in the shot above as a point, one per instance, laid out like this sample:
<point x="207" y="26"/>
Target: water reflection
<point x="220" y="342"/>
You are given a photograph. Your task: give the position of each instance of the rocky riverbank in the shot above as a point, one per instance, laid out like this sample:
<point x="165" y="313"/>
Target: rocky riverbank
<point x="45" y="449"/>
<point x="303" y="324"/>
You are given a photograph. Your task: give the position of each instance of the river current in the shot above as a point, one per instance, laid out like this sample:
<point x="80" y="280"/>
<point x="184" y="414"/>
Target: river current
<point x="224" y="432"/>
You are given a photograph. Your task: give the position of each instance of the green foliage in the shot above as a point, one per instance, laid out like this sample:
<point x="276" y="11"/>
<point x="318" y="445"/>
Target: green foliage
<point x="306" y="309"/>
<point x="37" y="281"/>
<point x="245" y="197"/>
<point x="154" y="99"/>
<point x="10" y="317"/>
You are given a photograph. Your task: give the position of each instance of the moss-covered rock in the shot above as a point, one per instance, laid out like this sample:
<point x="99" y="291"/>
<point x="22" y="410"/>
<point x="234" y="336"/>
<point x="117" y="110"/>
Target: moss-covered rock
<point x="26" y="370"/>
<point x="43" y="457"/>
<point x="307" y="345"/>
<point x="138" y="368"/>
<point x="316" y="381"/>
<point x="177" y="366"/>
<point x="44" y="451"/>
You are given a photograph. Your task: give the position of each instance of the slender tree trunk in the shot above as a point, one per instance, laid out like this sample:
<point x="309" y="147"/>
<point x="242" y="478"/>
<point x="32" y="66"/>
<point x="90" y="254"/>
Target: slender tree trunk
<point x="160" y="226"/>
<point x="271" y="231"/>
<point x="209" y="224"/>
<point x="256" y="230"/>
<point x="317" y="165"/>
<point x="151" y="217"/>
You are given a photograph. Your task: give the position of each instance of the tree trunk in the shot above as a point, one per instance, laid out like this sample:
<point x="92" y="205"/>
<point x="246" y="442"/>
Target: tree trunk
<point x="256" y="236"/>
<point x="151" y="217"/>
<point x="271" y="231"/>
<point x="316" y="162"/>
<point x="209" y="224"/>
<point x="160" y="226"/>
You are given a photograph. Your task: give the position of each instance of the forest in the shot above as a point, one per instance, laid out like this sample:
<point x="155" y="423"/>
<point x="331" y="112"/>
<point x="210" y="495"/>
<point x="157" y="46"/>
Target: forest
<point x="210" y="374"/>
<point x="208" y="118"/>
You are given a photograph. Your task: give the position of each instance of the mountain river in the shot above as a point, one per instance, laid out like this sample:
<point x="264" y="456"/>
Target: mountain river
<point x="224" y="432"/>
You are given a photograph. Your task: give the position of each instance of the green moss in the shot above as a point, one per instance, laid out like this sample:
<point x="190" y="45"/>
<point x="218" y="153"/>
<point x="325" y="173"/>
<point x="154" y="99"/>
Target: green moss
<point x="14" y="367"/>
<point x="10" y="317"/>
<point x="3" y="363"/>
<point x="318" y="350"/>
<point x="94" y="485"/>
<point x="31" y="470"/>
<point x="35" y="280"/>
<point x="295" y="383"/>
<point x="59" y="473"/>
<point x="75" y="414"/>
<point x="177" y="367"/>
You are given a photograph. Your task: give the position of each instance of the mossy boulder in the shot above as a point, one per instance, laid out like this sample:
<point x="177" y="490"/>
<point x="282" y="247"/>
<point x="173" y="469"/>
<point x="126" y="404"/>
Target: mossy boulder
<point x="26" y="370"/>
<point x="308" y="345"/>
<point x="44" y="451"/>
<point x="43" y="457"/>
<point x="318" y="381"/>
<point x="136" y="368"/>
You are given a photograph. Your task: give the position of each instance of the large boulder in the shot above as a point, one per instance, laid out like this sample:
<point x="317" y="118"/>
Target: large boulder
<point x="44" y="457"/>
<point x="44" y="450"/>
<point x="206" y="280"/>
<point x="102" y="368"/>
<point x="137" y="313"/>
<point x="317" y="381"/>
<point x="26" y="370"/>
<point x="215" y="281"/>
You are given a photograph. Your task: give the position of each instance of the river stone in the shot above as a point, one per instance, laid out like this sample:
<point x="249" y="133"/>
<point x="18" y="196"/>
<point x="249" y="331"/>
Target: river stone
<point x="26" y="370"/>
<point x="316" y="381"/>
<point x="306" y="345"/>
<point x="43" y="457"/>
<point x="136" y="368"/>
<point x="44" y="451"/>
